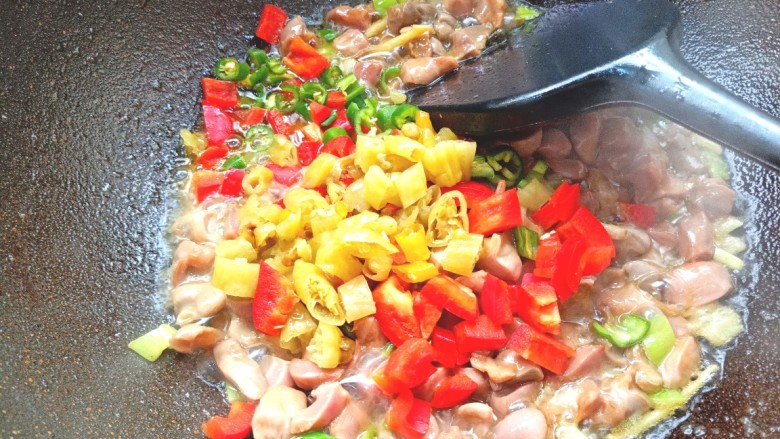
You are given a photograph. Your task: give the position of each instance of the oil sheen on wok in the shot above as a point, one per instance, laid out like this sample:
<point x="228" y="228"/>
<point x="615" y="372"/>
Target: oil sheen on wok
<point x="344" y="269"/>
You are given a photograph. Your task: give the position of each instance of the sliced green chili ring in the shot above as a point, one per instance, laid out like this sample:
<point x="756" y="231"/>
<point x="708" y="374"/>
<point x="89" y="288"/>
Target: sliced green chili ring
<point x="629" y="330"/>
<point x="481" y="169"/>
<point x="302" y="108"/>
<point x="229" y="69"/>
<point x="332" y="118"/>
<point x="660" y="339"/>
<point x="285" y="100"/>
<point x="536" y="172"/>
<point x="506" y="164"/>
<point x="258" y="76"/>
<point x="344" y="83"/>
<point x="235" y="162"/>
<point x="314" y="91"/>
<point x="328" y="34"/>
<point x="527" y="241"/>
<point x="276" y="66"/>
<point x="314" y="435"/>
<point x="384" y="117"/>
<point x="332" y="133"/>
<point x="276" y="79"/>
<point x="331" y="76"/>
<point x="387" y="74"/>
<point x="257" y="57"/>
<point x="259" y="90"/>
<point x="355" y="91"/>
<point x="359" y="117"/>
<point x="260" y="137"/>
<point x="403" y="114"/>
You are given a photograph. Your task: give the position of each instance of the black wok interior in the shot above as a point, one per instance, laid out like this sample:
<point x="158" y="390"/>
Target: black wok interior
<point x="92" y="95"/>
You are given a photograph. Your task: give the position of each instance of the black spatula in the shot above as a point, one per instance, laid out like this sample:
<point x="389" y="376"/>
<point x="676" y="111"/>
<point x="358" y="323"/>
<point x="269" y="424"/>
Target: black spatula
<point x="578" y="57"/>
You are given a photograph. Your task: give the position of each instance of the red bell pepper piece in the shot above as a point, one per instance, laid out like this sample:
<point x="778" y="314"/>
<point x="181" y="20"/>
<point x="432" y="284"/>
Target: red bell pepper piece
<point x="560" y="207"/>
<point x="479" y="335"/>
<point x="278" y="123"/>
<point x="272" y="20"/>
<point x="427" y="313"/>
<point x="388" y="386"/>
<point x="218" y="125"/>
<point x="206" y="183"/>
<point x="308" y="151"/>
<point x="394" y="311"/>
<point x="341" y="146"/>
<point x="548" y="249"/>
<point x="274" y="301"/>
<point x="285" y="175"/>
<point x="585" y="225"/>
<point x="218" y="93"/>
<point x="453" y="391"/>
<point x="494" y="300"/>
<point x="447" y="354"/>
<point x="249" y="117"/>
<point x="539" y="289"/>
<point x="568" y="268"/>
<point x="408" y="417"/>
<point x="211" y="156"/>
<point x="237" y="425"/>
<point x="336" y="100"/>
<point x="640" y="215"/>
<point x="497" y="213"/>
<point x="446" y="293"/>
<point x="531" y="304"/>
<point x="304" y="60"/>
<point x="472" y="191"/>
<point x="232" y="185"/>
<point x="540" y="349"/>
<point x="319" y="112"/>
<point x="411" y="363"/>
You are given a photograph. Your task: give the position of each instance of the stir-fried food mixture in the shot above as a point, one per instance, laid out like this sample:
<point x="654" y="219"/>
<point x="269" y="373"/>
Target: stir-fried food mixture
<point x="349" y="270"/>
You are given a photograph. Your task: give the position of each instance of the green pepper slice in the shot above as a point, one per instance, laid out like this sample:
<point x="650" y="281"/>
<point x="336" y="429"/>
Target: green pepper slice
<point x="660" y="339"/>
<point x="314" y="91"/>
<point x="314" y="435"/>
<point x="537" y="172"/>
<point x="328" y="34"/>
<point x="257" y="57"/>
<point x="235" y="162"/>
<point x="260" y="137"/>
<point x="387" y="74"/>
<point x="332" y="133"/>
<point x="331" y="76"/>
<point x="629" y="330"/>
<point x="506" y="164"/>
<point x="527" y="241"/>
<point x="481" y="169"/>
<point x="230" y="69"/>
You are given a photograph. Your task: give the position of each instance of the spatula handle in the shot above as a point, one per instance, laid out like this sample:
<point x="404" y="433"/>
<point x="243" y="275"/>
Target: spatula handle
<point x="663" y="81"/>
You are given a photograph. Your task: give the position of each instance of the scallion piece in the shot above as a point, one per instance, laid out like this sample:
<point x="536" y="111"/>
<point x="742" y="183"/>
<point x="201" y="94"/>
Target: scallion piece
<point x="629" y="330"/>
<point x="152" y="344"/>
<point x="527" y="241"/>
<point x="667" y="398"/>
<point x="332" y="133"/>
<point x="332" y="118"/>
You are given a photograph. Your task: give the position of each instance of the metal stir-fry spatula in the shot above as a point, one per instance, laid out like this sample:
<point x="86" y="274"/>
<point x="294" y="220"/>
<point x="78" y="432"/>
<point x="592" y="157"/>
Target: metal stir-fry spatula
<point x="578" y="57"/>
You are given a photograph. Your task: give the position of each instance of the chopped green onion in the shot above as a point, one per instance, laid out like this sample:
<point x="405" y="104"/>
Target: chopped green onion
<point x="229" y="69"/>
<point x="724" y="226"/>
<point x="331" y="76"/>
<point x="332" y="133"/>
<point x="506" y="164"/>
<point x="259" y="137"/>
<point x="731" y="244"/>
<point x="716" y="164"/>
<point x="667" y="398"/>
<point x="727" y="259"/>
<point x="481" y="169"/>
<point x="537" y="172"/>
<point x="235" y="162"/>
<point x="152" y="344"/>
<point x="527" y="241"/>
<point x="328" y="34"/>
<point x="660" y="339"/>
<point x="332" y="118"/>
<point x="629" y="330"/>
<point x="524" y="13"/>
<point x="387" y="74"/>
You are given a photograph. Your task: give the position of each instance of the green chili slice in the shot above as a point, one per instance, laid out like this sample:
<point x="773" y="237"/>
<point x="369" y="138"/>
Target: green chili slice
<point x="481" y="169"/>
<point x="314" y="435"/>
<point x="331" y="76"/>
<point x="229" y="69"/>
<point x="257" y="57"/>
<point x="258" y="76"/>
<point x="235" y="162"/>
<point x="527" y="241"/>
<point x="384" y="117"/>
<point x="332" y="118"/>
<point x="314" y="91"/>
<point x="403" y="114"/>
<point x="302" y="108"/>
<point x="359" y="117"/>
<point x="260" y="137"/>
<point x="506" y="165"/>
<point x="629" y="330"/>
<point x="387" y="74"/>
<point x="328" y="34"/>
<point x="332" y="133"/>
<point x="344" y="83"/>
<point x="536" y="172"/>
<point x="382" y="6"/>
<point x="286" y="100"/>
<point x="660" y="339"/>
<point x="524" y="13"/>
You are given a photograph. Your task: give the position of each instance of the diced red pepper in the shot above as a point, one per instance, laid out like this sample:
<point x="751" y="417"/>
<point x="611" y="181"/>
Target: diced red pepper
<point x="336" y="100"/>
<point x="479" y="335"/>
<point x="218" y="93"/>
<point x="408" y="417"/>
<point x="560" y="207"/>
<point x="540" y="349"/>
<point x="232" y="185"/>
<point x="308" y="151"/>
<point x="497" y="213"/>
<point x="218" y="125"/>
<point x="445" y="292"/>
<point x="447" y="354"/>
<point x="206" y="183"/>
<point x="319" y="112"/>
<point x="211" y="156"/>
<point x="541" y="314"/>
<point x="427" y="313"/>
<point x="411" y="363"/>
<point x="237" y="425"/>
<point x="546" y="252"/>
<point x="341" y="146"/>
<point x="287" y="176"/>
<point x="539" y="289"/>
<point x="585" y="225"/>
<point x="568" y="268"/>
<point x="494" y="299"/>
<point x="388" y="386"/>
<point x="640" y="215"/>
<point x="278" y="123"/>
<point x="249" y="117"/>
<point x="272" y="20"/>
<point x="304" y="60"/>
<point x="274" y="301"/>
<point x="395" y="311"/>
<point x="472" y="191"/>
<point x="453" y="391"/>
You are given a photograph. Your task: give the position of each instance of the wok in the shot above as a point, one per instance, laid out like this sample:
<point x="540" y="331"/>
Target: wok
<point x="92" y="95"/>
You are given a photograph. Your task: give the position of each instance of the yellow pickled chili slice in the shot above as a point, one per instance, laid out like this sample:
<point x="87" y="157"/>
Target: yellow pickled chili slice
<point x="319" y="170"/>
<point x="377" y="185"/>
<point x="298" y="330"/>
<point x="238" y="248"/>
<point x="411" y="184"/>
<point x="414" y="272"/>
<point x="357" y="298"/>
<point x="442" y="164"/>
<point x="317" y="293"/>
<point x="447" y="219"/>
<point x="411" y="240"/>
<point x="333" y="259"/>
<point x="461" y="254"/>
<point x="324" y="349"/>
<point x="378" y="268"/>
<point x="369" y="151"/>
<point x="366" y="243"/>
<point x="235" y="277"/>
<point x="405" y="147"/>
